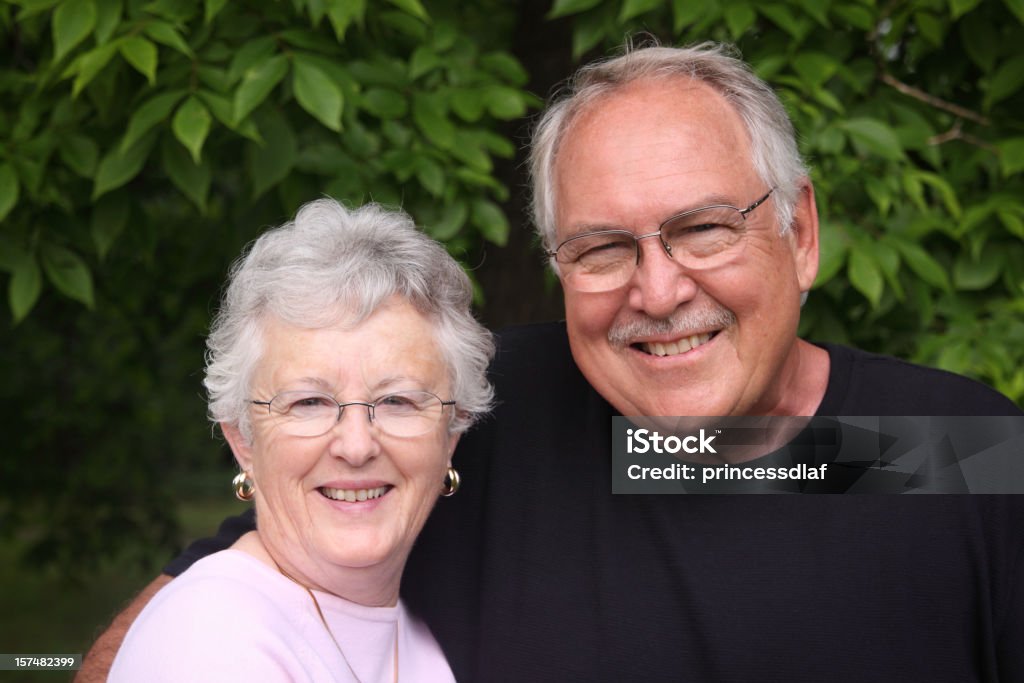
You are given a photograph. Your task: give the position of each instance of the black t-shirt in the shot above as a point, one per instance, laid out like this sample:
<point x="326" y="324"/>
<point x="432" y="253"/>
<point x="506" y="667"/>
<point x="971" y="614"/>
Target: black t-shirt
<point x="535" y="571"/>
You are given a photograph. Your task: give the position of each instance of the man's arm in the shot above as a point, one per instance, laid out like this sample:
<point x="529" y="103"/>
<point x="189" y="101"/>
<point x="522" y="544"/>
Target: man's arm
<point x="101" y="655"/>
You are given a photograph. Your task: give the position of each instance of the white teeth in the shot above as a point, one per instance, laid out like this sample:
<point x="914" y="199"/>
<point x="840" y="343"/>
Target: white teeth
<point x="673" y="348"/>
<point x="354" y="495"/>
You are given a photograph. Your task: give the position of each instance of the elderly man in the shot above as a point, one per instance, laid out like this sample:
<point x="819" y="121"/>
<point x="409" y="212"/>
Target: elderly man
<point x="679" y="217"/>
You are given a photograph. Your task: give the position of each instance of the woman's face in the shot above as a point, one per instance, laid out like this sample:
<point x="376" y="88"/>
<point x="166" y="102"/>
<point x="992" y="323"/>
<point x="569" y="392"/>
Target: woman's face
<point x="298" y="480"/>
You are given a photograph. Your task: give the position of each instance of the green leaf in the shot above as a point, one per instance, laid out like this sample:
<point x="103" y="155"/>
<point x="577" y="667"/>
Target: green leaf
<point x="108" y="16"/>
<point x="931" y="27"/>
<point x="257" y="83"/>
<point x="880" y="193"/>
<point x="856" y="16"/>
<point x="976" y="37"/>
<point x="922" y="263"/>
<point x="978" y="274"/>
<point x="506" y="66"/>
<point x="119" y="166"/>
<point x="211" y="8"/>
<point x="945" y="190"/>
<point x="68" y="273"/>
<point x="505" y="103"/>
<point x="109" y="218"/>
<point x="155" y="110"/>
<point x="1011" y="156"/>
<point x="165" y="34"/>
<point x="431" y="176"/>
<point x="874" y="137"/>
<point x="563" y="8"/>
<point x="270" y="163"/>
<point x="89" y="65"/>
<point x="191" y="178"/>
<point x="470" y="152"/>
<point x="588" y="32"/>
<point x="222" y="111"/>
<point x="141" y="54"/>
<point x="24" y="289"/>
<point x="491" y="221"/>
<point x="739" y="17"/>
<point x="9" y="190"/>
<point x="817" y="9"/>
<point x="1017" y="7"/>
<point x="423" y="61"/>
<point x="317" y="93"/>
<point x="413" y="7"/>
<point x="962" y="7"/>
<point x="468" y="103"/>
<point x="80" y="154"/>
<point x="1006" y="81"/>
<point x="815" y="67"/>
<point x="385" y="103"/>
<point x="782" y="17"/>
<point x="191" y="125"/>
<point x="431" y="117"/>
<point x="865" y="275"/>
<point x="634" y="8"/>
<point x="342" y="13"/>
<point x="915" y="190"/>
<point x="888" y="261"/>
<point x="450" y="223"/>
<point x="832" y="251"/>
<point x="249" y="55"/>
<point x="687" y="12"/>
<point x="72" y="22"/>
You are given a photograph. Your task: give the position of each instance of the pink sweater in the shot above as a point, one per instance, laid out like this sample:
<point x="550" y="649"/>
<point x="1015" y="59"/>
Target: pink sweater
<point x="232" y="618"/>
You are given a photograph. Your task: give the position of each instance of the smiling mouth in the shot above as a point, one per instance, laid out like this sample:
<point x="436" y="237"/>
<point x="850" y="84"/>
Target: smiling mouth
<point x="354" y="495"/>
<point x="674" y="348"/>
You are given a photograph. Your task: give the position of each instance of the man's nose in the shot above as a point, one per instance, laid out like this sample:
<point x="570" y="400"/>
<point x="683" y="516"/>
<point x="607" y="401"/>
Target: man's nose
<point x="660" y="284"/>
<point x="354" y="436"/>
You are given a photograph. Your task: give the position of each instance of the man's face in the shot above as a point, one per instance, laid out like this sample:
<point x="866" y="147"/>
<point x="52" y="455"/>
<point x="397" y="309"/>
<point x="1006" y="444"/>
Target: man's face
<point x="632" y="160"/>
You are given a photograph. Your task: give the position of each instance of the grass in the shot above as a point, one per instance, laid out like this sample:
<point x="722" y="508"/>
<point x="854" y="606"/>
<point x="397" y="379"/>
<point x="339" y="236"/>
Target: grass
<point x="43" y="612"/>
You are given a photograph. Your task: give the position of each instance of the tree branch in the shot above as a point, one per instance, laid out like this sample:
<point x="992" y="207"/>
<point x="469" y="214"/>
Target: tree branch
<point x="932" y="100"/>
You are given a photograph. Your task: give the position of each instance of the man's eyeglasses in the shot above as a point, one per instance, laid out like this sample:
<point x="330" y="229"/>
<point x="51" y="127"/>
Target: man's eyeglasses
<point x="311" y="413"/>
<point x="698" y="239"/>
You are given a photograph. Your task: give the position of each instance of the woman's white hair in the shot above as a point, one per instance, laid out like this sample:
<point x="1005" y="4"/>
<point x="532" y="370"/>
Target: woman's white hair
<point x="776" y="158"/>
<point x="332" y="264"/>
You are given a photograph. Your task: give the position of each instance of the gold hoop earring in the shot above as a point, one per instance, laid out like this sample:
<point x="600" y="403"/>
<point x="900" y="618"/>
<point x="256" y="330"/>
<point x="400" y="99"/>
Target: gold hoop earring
<point x="451" y="482"/>
<point x="245" y="487"/>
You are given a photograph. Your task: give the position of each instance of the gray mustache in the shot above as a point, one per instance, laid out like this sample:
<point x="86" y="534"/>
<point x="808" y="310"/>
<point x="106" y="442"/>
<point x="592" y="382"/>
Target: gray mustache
<point x="680" y="323"/>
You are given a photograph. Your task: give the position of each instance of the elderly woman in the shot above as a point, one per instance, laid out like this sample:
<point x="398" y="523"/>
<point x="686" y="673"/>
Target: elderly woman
<point x="342" y="367"/>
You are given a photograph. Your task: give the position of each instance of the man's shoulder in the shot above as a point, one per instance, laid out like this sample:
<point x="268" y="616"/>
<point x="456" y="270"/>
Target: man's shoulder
<point x="531" y="353"/>
<point x="519" y="338"/>
<point x="863" y="383"/>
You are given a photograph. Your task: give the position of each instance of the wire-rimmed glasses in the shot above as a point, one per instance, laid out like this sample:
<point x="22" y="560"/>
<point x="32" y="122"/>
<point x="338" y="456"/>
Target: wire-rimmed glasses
<point x="698" y="239"/>
<point x="312" y="413"/>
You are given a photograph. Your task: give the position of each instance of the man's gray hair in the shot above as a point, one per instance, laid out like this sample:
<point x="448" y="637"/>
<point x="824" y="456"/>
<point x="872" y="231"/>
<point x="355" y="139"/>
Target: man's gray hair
<point x="332" y="265"/>
<point x="776" y="158"/>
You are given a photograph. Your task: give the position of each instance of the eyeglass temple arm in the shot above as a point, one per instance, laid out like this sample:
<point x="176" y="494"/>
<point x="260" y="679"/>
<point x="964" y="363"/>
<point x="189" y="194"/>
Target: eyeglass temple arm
<point x="756" y="204"/>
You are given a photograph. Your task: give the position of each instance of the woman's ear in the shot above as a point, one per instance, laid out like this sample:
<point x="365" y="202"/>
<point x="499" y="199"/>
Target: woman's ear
<point x="240" y="446"/>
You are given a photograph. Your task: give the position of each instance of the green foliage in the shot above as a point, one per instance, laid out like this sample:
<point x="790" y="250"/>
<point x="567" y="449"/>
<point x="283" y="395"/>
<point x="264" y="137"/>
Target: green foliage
<point x="910" y="115"/>
<point x="142" y="144"/>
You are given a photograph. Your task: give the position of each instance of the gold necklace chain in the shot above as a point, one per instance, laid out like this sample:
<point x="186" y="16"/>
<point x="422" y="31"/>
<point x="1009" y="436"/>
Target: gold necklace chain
<point x="320" y="613"/>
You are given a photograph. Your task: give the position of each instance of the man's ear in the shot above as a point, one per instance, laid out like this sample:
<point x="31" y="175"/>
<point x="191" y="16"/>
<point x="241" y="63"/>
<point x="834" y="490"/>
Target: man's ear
<point x="239" y="446"/>
<point x="804" y="233"/>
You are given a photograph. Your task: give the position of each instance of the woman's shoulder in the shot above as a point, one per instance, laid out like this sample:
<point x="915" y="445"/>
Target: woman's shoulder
<point x="220" y="620"/>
